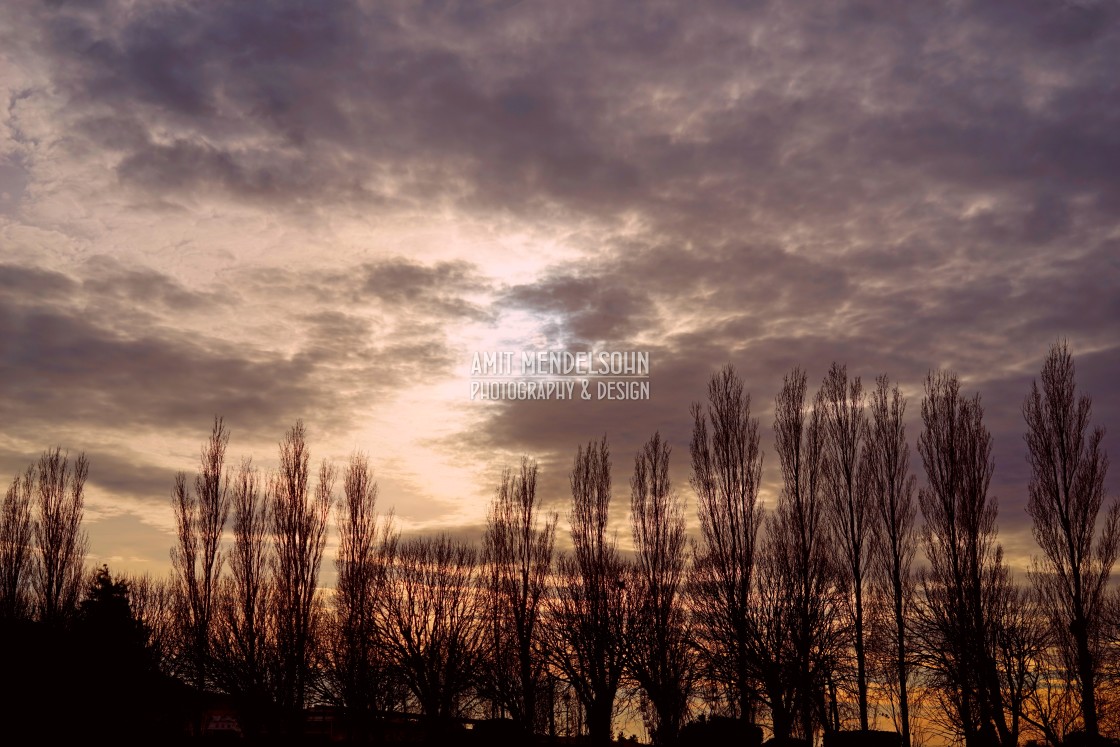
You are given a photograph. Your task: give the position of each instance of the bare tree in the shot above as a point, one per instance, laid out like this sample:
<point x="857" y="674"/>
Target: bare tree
<point x="152" y="601"/>
<point x="197" y="559"/>
<point x="1051" y="708"/>
<point x="802" y="556"/>
<point x="772" y="619"/>
<point x="845" y="432"/>
<point x="660" y="652"/>
<point x="891" y="486"/>
<point x="726" y="476"/>
<point x="1110" y="670"/>
<point x="1068" y="468"/>
<point x="433" y="623"/>
<point x="588" y="614"/>
<point x="59" y="538"/>
<point x="966" y="577"/>
<point x="1020" y="639"/>
<point x="355" y="663"/>
<point x="299" y="522"/>
<point x="245" y="651"/>
<point x="17" y="530"/>
<point x="517" y="560"/>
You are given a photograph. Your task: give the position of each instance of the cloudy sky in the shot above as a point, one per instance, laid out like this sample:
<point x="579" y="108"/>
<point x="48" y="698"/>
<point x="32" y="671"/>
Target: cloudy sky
<point x="282" y="210"/>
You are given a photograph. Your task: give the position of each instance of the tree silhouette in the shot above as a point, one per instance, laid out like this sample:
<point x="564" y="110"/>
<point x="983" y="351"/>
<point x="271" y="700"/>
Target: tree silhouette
<point x="801" y="560"/>
<point x="588" y="615"/>
<point x="245" y="650"/>
<point x="726" y="476"/>
<point x="60" y="540"/>
<point x="106" y="617"/>
<point x="17" y="530"/>
<point x="517" y="564"/>
<point x="891" y="488"/>
<point x="299" y="521"/>
<point x="197" y="559"/>
<point x="70" y="676"/>
<point x="763" y="624"/>
<point x="966" y="579"/>
<point x="1068" y="468"/>
<point x="659" y="645"/>
<point x="433" y="619"/>
<point x="356" y="670"/>
<point x="152" y="601"/>
<point x="844" y="423"/>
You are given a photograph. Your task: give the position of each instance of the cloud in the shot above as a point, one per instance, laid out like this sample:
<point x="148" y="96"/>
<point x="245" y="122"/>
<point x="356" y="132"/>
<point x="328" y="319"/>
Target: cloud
<point x="438" y="291"/>
<point x="309" y="209"/>
<point x="67" y="369"/>
<point x="128" y="353"/>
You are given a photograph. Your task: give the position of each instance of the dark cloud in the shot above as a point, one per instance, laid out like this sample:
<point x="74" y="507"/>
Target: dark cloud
<point x="34" y="282"/>
<point x="589" y="308"/>
<point x="144" y="290"/>
<point x="129" y="476"/>
<point x="901" y="187"/>
<point x="118" y="349"/>
<point x="68" y="369"/>
<point x="410" y="288"/>
<point x="782" y="310"/>
<point x="702" y="121"/>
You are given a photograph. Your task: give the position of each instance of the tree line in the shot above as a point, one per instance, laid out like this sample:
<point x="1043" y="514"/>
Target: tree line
<point x="858" y="598"/>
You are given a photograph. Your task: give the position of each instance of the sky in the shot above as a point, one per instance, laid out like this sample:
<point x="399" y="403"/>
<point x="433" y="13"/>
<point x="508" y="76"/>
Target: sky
<point x="274" y="211"/>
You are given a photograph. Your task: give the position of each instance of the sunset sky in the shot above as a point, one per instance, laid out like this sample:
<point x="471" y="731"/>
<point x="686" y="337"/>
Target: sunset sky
<point x="280" y="210"/>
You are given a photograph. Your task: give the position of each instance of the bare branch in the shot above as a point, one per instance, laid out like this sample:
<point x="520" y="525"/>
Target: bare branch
<point x="661" y="657"/>
<point x="1068" y="468"/>
<point x="60" y="541"/>
<point x="588" y="612"/>
<point x="517" y="558"/>
<point x="17" y="531"/>
<point x="726" y="476"/>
